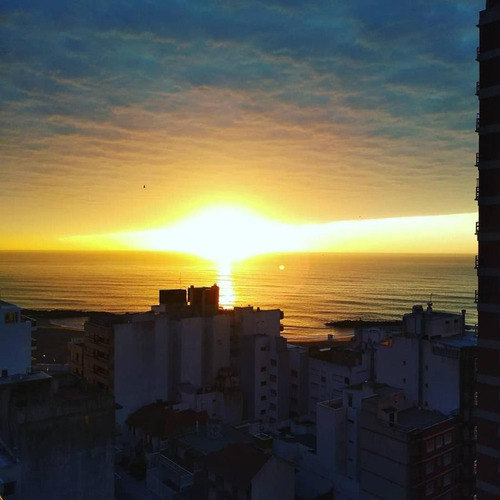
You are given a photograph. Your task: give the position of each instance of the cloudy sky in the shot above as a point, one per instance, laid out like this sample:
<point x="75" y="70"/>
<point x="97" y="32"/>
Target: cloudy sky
<point x="308" y="112"/>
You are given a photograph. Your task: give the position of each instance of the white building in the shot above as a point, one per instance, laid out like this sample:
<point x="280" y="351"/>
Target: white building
<point x="260" y="357"/>
<point x="331" y="369"/>
<point x="425" y="360"/>
<point x="15" y="341"/>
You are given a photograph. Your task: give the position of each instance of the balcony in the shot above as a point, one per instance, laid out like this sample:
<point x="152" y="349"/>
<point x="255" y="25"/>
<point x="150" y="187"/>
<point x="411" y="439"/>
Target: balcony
<point x="477" y="190"/>
<point x="477" y="160"/>
<point x="476" y="262"/>
<point x="477" y="228"/>
<point x="478" y="53"/>
<point x="476" y="296"/>
<point x="478" y="87"/>
<point x="478" y="122"/>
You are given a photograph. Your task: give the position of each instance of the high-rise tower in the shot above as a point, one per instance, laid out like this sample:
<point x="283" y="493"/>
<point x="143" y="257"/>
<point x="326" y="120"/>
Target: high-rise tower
<point x="488" y="260"/>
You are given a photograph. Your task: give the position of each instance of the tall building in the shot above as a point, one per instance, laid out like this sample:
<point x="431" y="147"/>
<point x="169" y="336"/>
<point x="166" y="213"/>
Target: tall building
<point x="488" y="260"/>
<point x="56" y="432"/>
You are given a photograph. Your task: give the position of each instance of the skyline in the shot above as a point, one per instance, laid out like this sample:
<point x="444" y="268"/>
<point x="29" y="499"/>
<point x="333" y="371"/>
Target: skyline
<point x="131" y="118"/>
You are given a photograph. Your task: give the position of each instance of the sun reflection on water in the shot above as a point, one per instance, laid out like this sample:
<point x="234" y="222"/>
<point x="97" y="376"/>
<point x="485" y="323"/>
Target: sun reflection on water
<point x="227" y="297"/>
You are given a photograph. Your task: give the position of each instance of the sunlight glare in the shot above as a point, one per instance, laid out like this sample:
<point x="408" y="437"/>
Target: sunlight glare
<point x="223" y="235"/>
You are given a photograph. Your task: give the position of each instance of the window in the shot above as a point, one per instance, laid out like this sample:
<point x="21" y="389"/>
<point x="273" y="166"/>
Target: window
<point x="349" y="400"/>
<point x="429" y="467"/>
<point x="475" y="398"/>
<point x="347" y="380"/>
<point x="263" y="383"/>
<point x="474" y="467"/>
<point x="429" y="446"/>
<point x="263" y="369"/>
<point x="404" y="363"/>
<point x="272" y="378"/>
<point x="474" y="433"/>
<point x="273" y="362"/>
<point x="447" y="438"/>
<point x="263" y="348"/>
<point x="404" y="380"/>
<point x="294" y="373"/>
<point x="295" y="387"/>
<point x="11" y="317"/>
<point x="429" y="490"/>
<point x="262" y="412"/>
<point x="439" y="442"/>
<point x="426" y="386"/>
<point x="323" y="378"/>
<point x="447" y="459"/>
<point x="263" y="398"/>
<point x="9" y="488"/>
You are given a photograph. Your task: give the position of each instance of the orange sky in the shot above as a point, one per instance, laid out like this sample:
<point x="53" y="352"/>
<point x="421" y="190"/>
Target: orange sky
<point x="344" y="127"/>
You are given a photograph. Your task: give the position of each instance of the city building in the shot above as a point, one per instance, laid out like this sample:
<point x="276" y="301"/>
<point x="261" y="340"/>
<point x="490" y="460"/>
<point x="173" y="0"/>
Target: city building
<point x="425" y="359"/>
<point x="56" y="438"/>
<point x="333" y="368"/>
<point x="488" y="259"/>
<point x="231" y="364"/>
<point x="260" y="357"/>
<point x="433" y="361"/>
<point x="374" y="443"/>
<point x="15" y="340"/>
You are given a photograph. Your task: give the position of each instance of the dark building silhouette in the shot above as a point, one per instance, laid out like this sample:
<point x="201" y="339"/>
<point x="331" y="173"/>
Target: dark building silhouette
<point x="488" y="259"/>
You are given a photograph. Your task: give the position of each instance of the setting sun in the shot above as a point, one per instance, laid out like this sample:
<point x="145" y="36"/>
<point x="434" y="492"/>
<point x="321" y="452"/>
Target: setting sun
<point x="221" y="234"/>
<point x="225" y="234"/>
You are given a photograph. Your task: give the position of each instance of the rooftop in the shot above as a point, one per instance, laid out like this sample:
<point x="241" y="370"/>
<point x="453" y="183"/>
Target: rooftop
<point x="236" y="463"/>
<point x="7" y="305"/>
<point x="160" y="420"/>
<point x="415" y="418"/>
<point x="463" y="340"/>
<point x="205" y="444"/>
<point x="338" y="355"/>
<point x="19" y="377"/>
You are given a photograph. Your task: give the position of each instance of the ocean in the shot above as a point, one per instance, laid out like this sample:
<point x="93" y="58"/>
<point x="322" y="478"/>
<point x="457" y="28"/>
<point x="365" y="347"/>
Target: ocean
<point x="310" y="288"/>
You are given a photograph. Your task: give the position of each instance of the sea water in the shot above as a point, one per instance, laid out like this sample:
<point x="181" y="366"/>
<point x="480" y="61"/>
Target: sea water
<point x="311" y="288"/>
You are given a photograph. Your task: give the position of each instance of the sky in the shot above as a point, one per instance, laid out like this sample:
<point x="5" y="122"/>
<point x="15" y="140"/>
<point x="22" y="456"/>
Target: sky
<point x="122" y="118"/>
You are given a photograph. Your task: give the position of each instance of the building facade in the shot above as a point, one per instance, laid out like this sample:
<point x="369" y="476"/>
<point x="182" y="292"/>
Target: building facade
<point x="488" y="259"/>
<point x="15" y="340"/>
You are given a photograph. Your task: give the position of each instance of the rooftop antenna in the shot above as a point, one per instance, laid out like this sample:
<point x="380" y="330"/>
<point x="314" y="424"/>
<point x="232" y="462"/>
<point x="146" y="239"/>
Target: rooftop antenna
<point x="429" y="304"/>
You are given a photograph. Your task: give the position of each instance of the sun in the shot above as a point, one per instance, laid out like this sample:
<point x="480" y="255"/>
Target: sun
<point x="223" y="234"/>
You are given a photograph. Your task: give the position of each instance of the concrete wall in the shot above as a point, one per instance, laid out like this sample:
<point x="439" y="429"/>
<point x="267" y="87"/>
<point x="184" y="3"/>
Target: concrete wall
<point x="140" y="367"/>
<point x="218" y="348"/>
<point x="192" y="351"/>
<point x="331" y="425"/>
<point x="71" y="456"/>
<point x="398" y="365"/>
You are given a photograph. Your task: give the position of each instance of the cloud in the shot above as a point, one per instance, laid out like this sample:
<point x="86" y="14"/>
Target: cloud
<point x="313" y="110"/>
